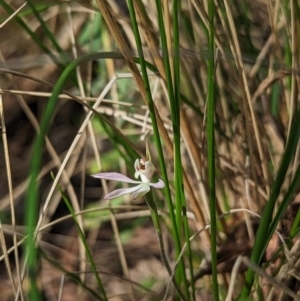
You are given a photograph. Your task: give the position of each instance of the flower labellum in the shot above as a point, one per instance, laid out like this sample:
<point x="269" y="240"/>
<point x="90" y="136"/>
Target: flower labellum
<point x="144" y="170"/>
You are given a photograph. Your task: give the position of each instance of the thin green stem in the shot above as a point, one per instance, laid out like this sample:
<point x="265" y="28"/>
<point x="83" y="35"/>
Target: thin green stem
<point x="211" y="147"/>
<point x="174" y="97"/>
<point x="175" y="110"/>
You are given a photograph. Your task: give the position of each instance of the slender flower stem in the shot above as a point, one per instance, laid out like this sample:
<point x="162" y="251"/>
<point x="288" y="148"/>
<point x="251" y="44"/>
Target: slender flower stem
<point x="156" y="223"/>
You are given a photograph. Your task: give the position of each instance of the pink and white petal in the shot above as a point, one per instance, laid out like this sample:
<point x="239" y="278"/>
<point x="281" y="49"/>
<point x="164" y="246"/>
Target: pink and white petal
<point x="159" y="184"/>
<point x="143" y="189"/>
<point x="137" y="165"/>
<point x="149" y="170"/>
<point x="119" y="192"/>
<point x="136" y="174"/>
<point x="137" y="168"/>
<point x="115" y="176"/>
<point x="144" y="177"/>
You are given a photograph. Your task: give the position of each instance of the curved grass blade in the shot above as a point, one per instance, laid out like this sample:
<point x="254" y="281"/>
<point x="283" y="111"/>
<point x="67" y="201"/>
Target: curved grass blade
<point x="267" y="225"/>
<point x="31" y="199"/>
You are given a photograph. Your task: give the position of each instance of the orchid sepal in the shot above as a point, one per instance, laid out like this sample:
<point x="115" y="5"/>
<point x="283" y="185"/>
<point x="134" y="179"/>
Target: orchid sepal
<point x="115" y="176"/>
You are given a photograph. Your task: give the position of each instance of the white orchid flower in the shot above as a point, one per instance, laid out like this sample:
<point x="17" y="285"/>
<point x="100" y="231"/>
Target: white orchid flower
<point x="144" y="170"/>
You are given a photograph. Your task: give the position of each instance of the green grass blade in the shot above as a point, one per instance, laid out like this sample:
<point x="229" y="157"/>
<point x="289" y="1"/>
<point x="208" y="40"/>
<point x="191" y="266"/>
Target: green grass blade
<point x="211" y="147"/>
<point x="266" y="219"/>
<point x="165" y="54"/>
<point x="175" y="109"/>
